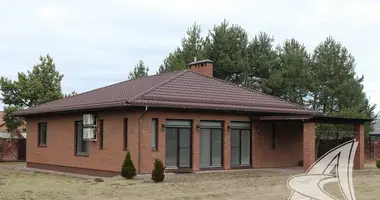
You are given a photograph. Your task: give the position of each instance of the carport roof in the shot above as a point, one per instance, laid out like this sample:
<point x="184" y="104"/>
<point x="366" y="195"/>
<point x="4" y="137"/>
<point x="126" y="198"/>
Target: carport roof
<point x="182" y="89"/>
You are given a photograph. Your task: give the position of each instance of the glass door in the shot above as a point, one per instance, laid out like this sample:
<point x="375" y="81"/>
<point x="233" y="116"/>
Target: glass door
<point x="240" y="144"/>
<point x="211" y="144"/>
<point x="178" y="144"/>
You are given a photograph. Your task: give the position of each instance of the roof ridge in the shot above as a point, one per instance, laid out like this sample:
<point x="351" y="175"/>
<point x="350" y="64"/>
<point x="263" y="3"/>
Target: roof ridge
<point x="107" y="86"/>
<point x="252" y="90"/>
<point x="157" y="86"/>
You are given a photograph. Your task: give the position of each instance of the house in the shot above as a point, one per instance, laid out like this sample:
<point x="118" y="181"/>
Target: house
<point x="12" y="146"/>
<point x="188" y="119"/>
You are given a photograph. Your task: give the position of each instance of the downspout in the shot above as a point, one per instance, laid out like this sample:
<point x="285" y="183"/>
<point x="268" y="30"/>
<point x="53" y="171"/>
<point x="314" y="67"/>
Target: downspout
<point x="139" y="139"/>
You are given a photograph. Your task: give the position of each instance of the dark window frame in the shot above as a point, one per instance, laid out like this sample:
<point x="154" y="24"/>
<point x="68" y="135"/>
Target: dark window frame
<point x="101" y="134"/>
<point x="125" y="134"/>
<point x="191" y="141"/>
<point x="250" y="143"/>
<point x="223" y="130"/>
<point x="39" y="144"/>
<point x="76" y="153"/>
<point x="157" y="133"/>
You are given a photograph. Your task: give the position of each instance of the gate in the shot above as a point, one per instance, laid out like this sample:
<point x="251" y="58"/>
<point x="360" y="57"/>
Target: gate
<point x="22" y="149"/>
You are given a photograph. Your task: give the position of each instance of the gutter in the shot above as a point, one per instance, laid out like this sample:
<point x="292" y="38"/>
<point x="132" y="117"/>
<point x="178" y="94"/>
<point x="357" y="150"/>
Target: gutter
<point x="139" y="139"/>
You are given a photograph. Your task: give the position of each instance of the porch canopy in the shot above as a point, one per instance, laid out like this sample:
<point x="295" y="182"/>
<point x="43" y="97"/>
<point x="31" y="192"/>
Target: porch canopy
<point x="309" y="137"/>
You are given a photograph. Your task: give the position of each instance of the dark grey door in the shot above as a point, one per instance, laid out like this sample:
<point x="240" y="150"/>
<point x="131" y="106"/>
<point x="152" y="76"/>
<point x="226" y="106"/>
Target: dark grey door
<point x="178" y="144"/>
<point x="211" y="144"/>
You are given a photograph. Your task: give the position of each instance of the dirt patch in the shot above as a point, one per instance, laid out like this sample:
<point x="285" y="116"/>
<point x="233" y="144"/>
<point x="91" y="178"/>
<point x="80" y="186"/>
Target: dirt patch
<point x="246" y="184"/>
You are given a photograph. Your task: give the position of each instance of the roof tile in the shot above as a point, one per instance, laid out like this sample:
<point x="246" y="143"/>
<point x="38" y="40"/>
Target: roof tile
<point x="182" y="89"/>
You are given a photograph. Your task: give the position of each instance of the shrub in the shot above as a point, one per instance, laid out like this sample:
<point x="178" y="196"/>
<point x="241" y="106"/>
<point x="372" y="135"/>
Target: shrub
<point x="378" y="163"/>
<point x="158" y="171"/>
<point x="128" y="170"/>
<point x="300" y="163"/>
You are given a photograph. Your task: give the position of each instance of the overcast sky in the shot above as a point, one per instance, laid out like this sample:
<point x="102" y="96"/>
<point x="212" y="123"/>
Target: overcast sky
<point x="96" y="42"/>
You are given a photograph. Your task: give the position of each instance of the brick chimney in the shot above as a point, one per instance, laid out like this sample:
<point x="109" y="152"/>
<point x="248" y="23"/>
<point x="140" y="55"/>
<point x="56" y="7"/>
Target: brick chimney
<point x="204" y="67"/>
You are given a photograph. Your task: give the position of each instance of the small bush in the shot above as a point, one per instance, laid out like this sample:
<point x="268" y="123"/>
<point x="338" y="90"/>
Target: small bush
<point x="158" y="171"/>
<point x="128" y="170"/>
<point x="300" y="163"/>
<point x="378" y="164"/>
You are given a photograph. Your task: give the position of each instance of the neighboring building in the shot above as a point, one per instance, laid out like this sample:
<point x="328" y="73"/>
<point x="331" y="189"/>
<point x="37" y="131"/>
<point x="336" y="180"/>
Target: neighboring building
<point x="188" y="119"/>
<point x="12" y="146"/>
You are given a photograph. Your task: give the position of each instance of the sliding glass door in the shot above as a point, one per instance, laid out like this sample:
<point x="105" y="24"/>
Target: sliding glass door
<point x="240" y="144"/>
<point x="178" y="144"/>
<point x="211" y="144"/>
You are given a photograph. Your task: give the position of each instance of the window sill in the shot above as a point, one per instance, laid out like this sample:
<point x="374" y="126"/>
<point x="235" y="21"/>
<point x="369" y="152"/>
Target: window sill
<point x="42" y="145"/>
<point x="179" y="170"/>
<point x="154" y="149"/>
<point x="81" y="155"/>
<point x="241" y="167"/>
<point x="211" y="168"/>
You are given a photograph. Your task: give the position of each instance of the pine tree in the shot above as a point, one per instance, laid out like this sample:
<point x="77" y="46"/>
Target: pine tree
<point x="158" y="171"/>
<point x="138" y="71"/>
<point x="40" y="85"/>
<point x="226" y="45"/>
<point x="128" y="170"/>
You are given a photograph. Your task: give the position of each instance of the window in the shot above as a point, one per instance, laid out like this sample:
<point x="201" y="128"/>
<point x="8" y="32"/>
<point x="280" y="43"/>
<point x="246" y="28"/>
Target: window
<point x="125" y="133"/>
<point x="42" y="129"/>
<point x="81" y="145"/>
<point x="178" y="144"/>
<point x="1" y="147"/>
<point x="154" y="133"/>
<point x="211" y="144"/>
<point x="101" y="134"/>
<point x="240" y="143"/>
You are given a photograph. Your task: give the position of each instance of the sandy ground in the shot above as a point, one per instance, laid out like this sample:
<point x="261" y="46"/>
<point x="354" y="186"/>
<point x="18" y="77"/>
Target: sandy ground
<point x="265" y="184"/>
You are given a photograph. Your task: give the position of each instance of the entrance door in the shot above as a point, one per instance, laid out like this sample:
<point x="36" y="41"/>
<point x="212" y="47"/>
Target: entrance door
<point x="211" y="148"/>
<point x="178" y="144"/>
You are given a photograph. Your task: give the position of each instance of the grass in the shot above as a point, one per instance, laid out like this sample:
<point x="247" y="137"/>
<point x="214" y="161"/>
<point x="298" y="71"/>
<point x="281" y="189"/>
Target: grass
<point x="245" y="184"/>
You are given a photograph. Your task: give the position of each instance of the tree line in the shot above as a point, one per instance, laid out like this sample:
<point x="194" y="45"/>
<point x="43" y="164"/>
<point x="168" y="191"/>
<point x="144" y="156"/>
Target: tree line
<point x="323" y="79"/>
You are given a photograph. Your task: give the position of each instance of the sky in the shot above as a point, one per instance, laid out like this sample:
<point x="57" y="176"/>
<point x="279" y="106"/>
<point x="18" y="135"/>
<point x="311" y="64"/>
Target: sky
<point x="96" y="43"/>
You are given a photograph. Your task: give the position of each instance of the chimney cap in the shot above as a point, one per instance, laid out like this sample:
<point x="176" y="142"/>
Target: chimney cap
<point x="200" y="61"/>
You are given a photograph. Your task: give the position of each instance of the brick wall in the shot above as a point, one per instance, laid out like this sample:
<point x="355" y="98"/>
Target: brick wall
<point x="288" y="144"/>
<point x="61" y="135"/>
<point x="308" y="145"/>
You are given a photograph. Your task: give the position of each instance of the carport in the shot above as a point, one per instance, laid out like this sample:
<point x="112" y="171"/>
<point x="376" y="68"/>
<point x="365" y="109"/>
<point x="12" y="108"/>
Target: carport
<point x="308" y="123"/>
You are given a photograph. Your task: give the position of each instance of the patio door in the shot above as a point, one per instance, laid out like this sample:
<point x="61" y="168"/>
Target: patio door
<point x="178" y="144"/>
<point x="240" y="144"/>
<point x="211" y="140"/>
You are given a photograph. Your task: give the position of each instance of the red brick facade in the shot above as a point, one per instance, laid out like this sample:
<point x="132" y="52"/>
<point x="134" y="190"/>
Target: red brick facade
<point x="308" y="145"/>
<point x="60" y="151"/>
<point x="359" y="155"/>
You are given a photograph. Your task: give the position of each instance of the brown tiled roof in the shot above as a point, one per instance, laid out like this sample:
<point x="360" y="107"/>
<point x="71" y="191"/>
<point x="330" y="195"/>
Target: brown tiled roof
<point x="181" y="89"/>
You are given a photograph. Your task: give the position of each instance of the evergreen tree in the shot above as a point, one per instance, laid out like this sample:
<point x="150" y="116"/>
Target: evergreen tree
<point x="336" y="89"/>
<point x="263" y="65"/>
<point x="294" y="71"/>
<point x="158" y="173"/>
<point x="227" y="46"/>
<point x="128" y="170"/>
<point x="140" y="70"/>
<point x="191" y="46"/>
<point x="41" y="85"/>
